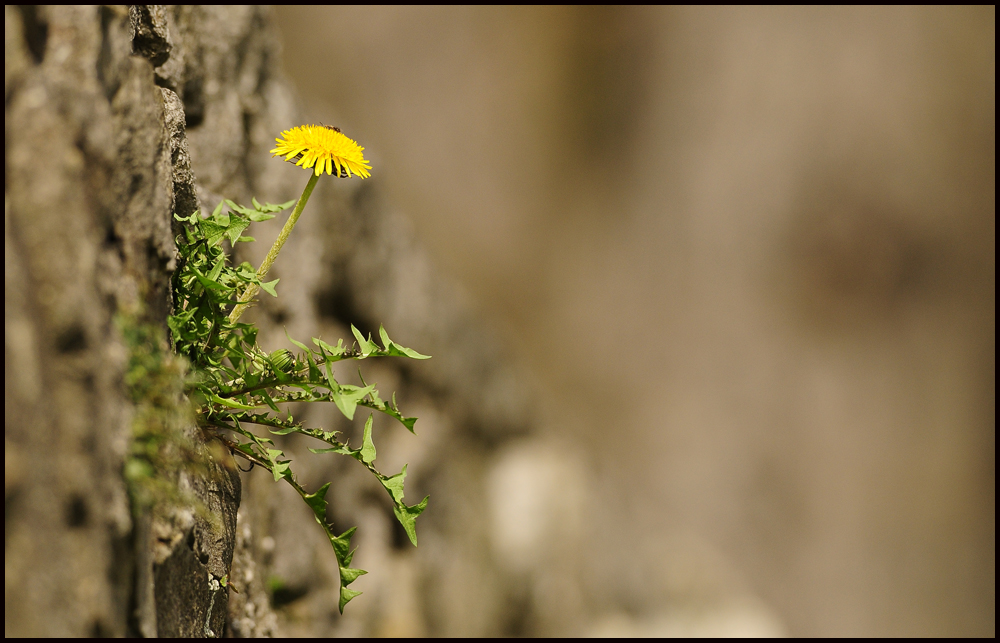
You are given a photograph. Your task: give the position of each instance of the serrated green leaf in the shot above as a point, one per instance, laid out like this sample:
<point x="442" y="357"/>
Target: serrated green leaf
<point x="191" y="218"/>
<point x="218" y="210"/>
<point x="358" y="336"/>
<point x="208" y="283"/>
<point x="368" y="446"/>
<point x="331" y="382"/>
<point x="343" y="450"/>
<point x="270" y="207"/>
<point x="347" y="397"/>
<point x="260" y="441"/>
<point x="391" y="410"/>
<point x="346" y="595"/>
<point x="407" y="517"/>
<point x="246" y="447"/>
<point x="238" y="208"/>
<point x="314" y="374"/>
<point x="317" y="501"/>
<point x="402" y="351"/>
<point x="236" y="228"/>
<point x="395" y="350"/>
<point x="334" y="351"/>
<point x="213" y="275"/>
<point x="278" y="469"/>
<point x="342" y="546"/>
<point x="349" y="574"/>
<point x="366" y="346"/>
<point x="268" y="287"/>
<point x="386" y="342"/>
<point x="394" y="485"/>
<point x="249" y="334"/>
<point x="267" y="400"/>
<point x="214" y="233"/>
<point x="233" y="404"/>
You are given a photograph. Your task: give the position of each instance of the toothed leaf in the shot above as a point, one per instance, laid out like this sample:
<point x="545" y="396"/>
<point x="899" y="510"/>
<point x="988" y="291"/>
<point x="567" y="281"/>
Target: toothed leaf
<point x="368" y="447"/>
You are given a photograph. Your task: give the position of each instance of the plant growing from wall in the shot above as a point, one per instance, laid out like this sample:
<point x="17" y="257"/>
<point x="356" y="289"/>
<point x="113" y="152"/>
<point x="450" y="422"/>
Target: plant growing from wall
<point x="237" y="388"/>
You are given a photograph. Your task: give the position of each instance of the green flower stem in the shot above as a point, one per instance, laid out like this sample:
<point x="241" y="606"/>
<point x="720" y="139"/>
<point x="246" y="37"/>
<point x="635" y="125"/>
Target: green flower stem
<point x="272" y="254"/>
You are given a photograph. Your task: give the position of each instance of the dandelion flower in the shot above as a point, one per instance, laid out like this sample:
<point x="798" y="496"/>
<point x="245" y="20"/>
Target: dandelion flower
<point x="324" y="148"/>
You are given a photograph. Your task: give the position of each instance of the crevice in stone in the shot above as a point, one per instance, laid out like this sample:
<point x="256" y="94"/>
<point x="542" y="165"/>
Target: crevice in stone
<point x="36" y="31"/>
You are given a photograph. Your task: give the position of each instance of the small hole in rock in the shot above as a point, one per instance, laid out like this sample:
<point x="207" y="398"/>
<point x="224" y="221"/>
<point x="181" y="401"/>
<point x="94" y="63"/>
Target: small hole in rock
<point x="77" y="513"/>
<point x="71" y="340"/>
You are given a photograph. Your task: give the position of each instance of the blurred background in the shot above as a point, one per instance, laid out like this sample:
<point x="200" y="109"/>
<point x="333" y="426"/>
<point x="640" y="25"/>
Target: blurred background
<point x="748" y="257"/>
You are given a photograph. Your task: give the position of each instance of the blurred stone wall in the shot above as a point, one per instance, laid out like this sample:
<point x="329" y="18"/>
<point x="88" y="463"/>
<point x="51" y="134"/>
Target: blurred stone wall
<point x="749" y="255"/>
<point x="96" y="161"/>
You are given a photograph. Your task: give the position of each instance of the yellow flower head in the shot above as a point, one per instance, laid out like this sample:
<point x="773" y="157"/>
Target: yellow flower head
<point x="325" y="148"/>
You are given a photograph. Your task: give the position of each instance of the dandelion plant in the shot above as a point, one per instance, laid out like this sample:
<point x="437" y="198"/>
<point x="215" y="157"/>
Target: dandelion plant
<point x="237" y="387"/>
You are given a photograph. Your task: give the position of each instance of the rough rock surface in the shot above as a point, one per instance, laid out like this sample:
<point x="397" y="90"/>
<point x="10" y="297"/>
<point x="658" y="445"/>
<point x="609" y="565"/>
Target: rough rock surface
<point x="96" y="164"/>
